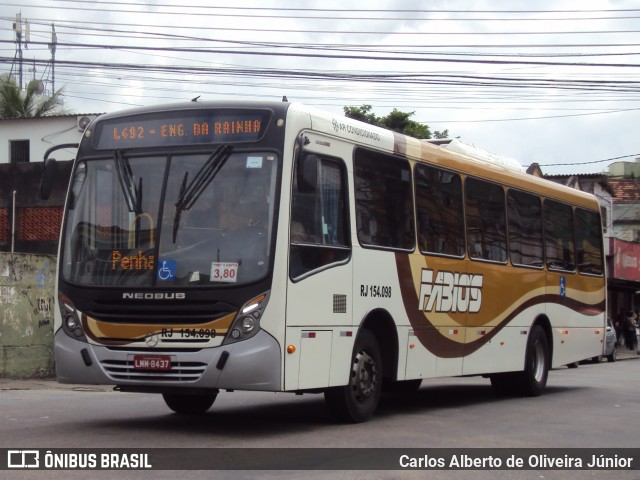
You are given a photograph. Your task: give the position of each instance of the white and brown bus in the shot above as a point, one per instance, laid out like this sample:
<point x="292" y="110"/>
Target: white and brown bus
<point x="275" y="247"/>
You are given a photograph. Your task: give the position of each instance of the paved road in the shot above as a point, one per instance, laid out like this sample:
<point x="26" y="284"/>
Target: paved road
<point x="589" y="407"/>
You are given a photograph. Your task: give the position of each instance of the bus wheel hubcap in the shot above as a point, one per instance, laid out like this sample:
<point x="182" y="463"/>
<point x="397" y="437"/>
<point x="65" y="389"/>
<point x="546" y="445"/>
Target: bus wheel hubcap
<point x="365" y="373"/>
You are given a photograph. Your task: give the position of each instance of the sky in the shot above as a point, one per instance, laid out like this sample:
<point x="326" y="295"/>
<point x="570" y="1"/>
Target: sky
<point x="555" y="82"/>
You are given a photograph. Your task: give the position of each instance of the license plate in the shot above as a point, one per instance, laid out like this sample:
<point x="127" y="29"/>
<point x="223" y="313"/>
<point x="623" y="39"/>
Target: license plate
<point x="146" y="362"/>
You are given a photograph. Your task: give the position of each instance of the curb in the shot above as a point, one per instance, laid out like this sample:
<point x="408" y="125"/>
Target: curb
<point x="48" y="384"/>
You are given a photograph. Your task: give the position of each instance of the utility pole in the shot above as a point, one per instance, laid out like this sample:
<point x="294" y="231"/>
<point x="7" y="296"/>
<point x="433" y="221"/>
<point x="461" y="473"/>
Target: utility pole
<point x="17" y="27"/>
<point x="52" y="48"/>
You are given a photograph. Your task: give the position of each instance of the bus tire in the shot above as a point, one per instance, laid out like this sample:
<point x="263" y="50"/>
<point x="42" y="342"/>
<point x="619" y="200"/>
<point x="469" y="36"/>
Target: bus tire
<point x="189" y="404"/>
<point x="533" y="379"/>
<point x="357" y="401"/>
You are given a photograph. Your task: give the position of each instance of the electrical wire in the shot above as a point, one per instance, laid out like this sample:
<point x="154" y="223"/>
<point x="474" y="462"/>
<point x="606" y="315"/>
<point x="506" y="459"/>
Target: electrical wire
<point x="511" y="79"/>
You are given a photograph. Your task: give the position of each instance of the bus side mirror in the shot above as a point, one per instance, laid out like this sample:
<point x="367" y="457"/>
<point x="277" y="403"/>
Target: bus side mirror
<point x="48" y="177"/>
<point x="307" y="172"/>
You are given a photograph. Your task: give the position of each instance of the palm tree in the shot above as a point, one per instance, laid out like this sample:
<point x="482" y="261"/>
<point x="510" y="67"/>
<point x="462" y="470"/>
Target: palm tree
<point x="15" y="103"/>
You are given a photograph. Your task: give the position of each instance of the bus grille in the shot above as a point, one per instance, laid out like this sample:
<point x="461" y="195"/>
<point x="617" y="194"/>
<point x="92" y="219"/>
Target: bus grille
<point x="180" y="371"/>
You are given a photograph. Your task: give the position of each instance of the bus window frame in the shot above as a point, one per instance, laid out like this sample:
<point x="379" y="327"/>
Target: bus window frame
<point x="600" y="246"/>
<point x="311" y="246"/>
<point x="462" y="214"/>
<point x="549" y="266"/>
<point x="412" y="214"/>
<point x="540" y="217"/>
<point x="502" y="187"/>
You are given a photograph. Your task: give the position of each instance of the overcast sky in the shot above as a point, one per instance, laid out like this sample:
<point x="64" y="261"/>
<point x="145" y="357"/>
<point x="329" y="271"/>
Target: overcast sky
<point x="555" y="82"/>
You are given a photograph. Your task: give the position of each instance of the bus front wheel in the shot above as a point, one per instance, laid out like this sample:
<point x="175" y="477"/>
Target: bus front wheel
<point x="189" y="404"/>
<point x="356" y="401"/>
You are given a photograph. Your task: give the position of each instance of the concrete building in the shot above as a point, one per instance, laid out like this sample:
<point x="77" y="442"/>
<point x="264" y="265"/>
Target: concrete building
<point x="625" y="169"/>
<point x="29" y="224"/>
<point x="626" y="208"/>
<point x="624" y="268"/>
<point x="27" y="139"/>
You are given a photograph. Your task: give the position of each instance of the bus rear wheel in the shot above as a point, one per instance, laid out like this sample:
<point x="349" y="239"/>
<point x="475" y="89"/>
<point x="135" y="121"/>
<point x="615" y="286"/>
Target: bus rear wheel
<point x="357" y="401"/>
<point x="533" y="379"/>
<point x="189" y="404"/>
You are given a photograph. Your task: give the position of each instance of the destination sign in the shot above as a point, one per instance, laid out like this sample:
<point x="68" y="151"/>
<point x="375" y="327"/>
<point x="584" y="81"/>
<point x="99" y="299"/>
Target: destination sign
<point x="181" y="128"/>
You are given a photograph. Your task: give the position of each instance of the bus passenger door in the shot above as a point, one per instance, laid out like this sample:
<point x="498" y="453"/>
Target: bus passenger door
<point x="319" y="292"/>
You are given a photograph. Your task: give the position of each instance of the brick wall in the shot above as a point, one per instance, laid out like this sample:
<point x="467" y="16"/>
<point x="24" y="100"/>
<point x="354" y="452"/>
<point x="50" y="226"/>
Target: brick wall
<point x="4" y="224"/>
<point x="39" y="224"/>
<point x="38" y="221"/>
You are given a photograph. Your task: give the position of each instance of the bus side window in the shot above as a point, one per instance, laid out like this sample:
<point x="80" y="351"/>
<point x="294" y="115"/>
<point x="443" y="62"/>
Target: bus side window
<point x="559" y="235"/>
<point x="319" y="231"/>
<point x="589" y="242"/>
<point x="486" y="220"/>
<point x="525" y="229"/>
<point x="384" y="201"/>
<point x="439" y="212"/>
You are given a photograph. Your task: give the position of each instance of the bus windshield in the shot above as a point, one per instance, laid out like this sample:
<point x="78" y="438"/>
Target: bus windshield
<point x="170" y="220"/>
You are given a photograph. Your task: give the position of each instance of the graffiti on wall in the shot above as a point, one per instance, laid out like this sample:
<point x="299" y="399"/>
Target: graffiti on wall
<point x="27" y="285"/>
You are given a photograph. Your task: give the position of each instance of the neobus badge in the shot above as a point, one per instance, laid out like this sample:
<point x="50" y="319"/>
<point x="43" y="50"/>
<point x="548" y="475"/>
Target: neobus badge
<point x="450" y="292"/>
<point x="154" y="295"/>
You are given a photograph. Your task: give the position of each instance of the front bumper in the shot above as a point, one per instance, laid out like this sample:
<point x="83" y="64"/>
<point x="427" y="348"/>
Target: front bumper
<point x="254" y="364"/>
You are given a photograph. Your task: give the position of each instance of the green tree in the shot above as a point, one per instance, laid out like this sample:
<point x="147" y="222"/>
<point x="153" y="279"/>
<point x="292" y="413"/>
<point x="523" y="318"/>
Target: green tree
<point x="362" y="113"/>
<point x="17" y="103"/>
<point x="401" y="122"/>
<point x="397" y="121"/>
<point x="442" y="134"/>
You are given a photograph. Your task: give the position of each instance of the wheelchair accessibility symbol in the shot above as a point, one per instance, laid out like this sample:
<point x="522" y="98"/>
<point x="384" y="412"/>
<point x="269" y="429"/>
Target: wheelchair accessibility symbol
<point x="563" y="286"/>
<point x="167" y="270"/>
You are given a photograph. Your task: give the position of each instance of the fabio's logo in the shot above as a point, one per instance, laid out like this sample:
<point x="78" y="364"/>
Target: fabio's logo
<point x="450" y="292"/>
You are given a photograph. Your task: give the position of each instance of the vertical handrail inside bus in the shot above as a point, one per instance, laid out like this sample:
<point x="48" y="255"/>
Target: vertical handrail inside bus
<point x="133" y="230"/>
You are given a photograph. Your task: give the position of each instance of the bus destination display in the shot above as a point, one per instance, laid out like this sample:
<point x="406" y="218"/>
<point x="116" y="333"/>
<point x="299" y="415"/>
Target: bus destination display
<point x="182" y="128"/>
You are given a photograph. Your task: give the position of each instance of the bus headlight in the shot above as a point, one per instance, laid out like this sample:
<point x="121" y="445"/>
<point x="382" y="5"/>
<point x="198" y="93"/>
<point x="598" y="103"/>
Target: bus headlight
<point x="72" y="321"/>
<point x="71" y="324"/>
<point x="247" y="322"/>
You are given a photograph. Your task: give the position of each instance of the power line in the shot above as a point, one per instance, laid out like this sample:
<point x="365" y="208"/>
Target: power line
<point x="336" y="47"/>
<point x="588" y="163"/>
<point x="344" y="57"/>
<point x="360" y="10"/>
<point x="86" y="31"/>
<point x="545" y="117"/>
<point x="389" y="77"/>
<point x="433" y="32"/>
<point x="507" y="88"/>
<point x="275" y="13"/>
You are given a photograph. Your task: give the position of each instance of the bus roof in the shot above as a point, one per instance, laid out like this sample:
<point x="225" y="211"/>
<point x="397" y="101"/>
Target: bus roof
<point x="465" y="159"/>
<point x="454" y="155"/>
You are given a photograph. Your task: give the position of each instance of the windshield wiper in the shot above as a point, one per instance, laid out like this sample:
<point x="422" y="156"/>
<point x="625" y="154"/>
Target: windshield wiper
<point x="132" y="193"/>
<point x="190" y="193"/>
